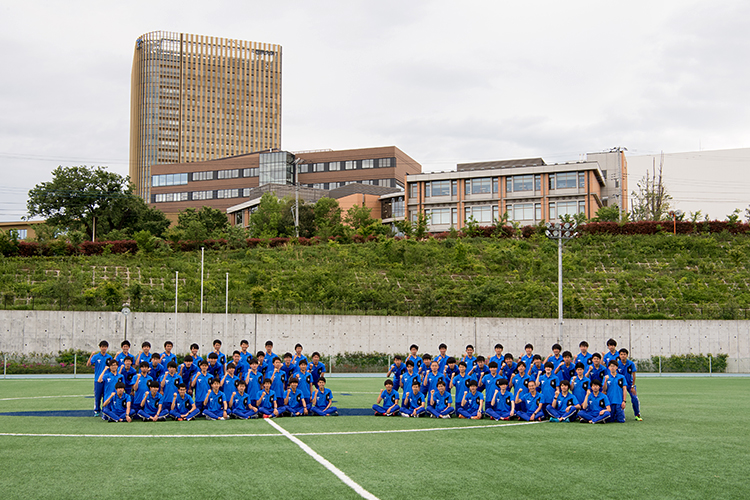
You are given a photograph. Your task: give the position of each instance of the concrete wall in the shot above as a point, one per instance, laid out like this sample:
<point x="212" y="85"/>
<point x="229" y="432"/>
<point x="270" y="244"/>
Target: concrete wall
<point x="52" y="331"/>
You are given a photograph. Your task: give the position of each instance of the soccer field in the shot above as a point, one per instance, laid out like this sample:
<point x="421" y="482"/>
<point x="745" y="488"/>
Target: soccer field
<point x="694" y="442"/>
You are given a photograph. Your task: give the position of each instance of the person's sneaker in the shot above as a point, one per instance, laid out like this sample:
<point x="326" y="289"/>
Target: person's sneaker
<point x="566" y="420"/>
<point x="266" y="416"/>
<point x="432" y="416"/>
<point x="221" y="418"/>
<point x="460" y="416"/>
<point x="335" y="414"/>
<point x="179" y="419"/>
<point x="553" y="419"/>
<point x="638" y="418"/>
<point x="445" y="416"/>
<point x="378" y="414"/>
<point x="405" y="415"/>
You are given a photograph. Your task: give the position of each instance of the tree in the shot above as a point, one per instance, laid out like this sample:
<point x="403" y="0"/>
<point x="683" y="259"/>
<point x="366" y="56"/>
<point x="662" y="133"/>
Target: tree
<point x="327" y="214"/>
<point x="608" y="214"/>
<point x="266" y="221"/>
<point x="198" y="225"/>
<point x="651" y="202"/>
<point x="360" y="219"/>
<point x="82" y="198"/>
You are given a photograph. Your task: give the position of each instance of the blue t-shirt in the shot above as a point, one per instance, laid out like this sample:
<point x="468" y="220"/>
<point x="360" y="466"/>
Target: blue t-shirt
<point x="305" y="380"/>
<point x="555" y="360"/>
<point x="265" y="399"/>
<point x="503" y="401"/>
<point x="407" y="380"/>
<point x="509" y="371"/>
<point x="202" y="385"/>
<point x="142" y="356"/>
<point x="614" y="388"/>
<point x="151" y="404"/>
<point x="534" y="371"/>
<point x="479" y="372"/>
<point x="241" y="369"/>
<point x="221" y="358"/>
<point x="128" y="376"/>
<point x="450" y="372"/>
<point x="182" y="405"/>
<point x="627" y="370"/>
<point x="322" y="398"/>
<point x="294" y="399"/>
<point x="245" y="357"/>
<point x="609" y="356"/>
<point x="278" y="381"/>
<point x="566" y="372"/>
<point x="580" y="387"/>
<point x="417" y="362"/>
<point x="296" y="359"/>
<point x="240" y="401"/>
<point x="142" y="387"/>
<point x="216" y="370"/>
<point x="432" y="379"/>
<point x="497" y="359"/>
<point x="267" y="362"/>
<point x="597" y="403"/>
<point x="121" y="359"/>
<point x="171" y="383"/>
<point x="469" y="363"/>
<point x="462" y="385"/>
<point x="156" y="372"/>
<point x="230" y="386"/>
<point x="166" y="358"/>
<point x="288" y="371"/>
<point x="587" y="360"/>
<point x="187" y="373"/>
<point x="597" y="373"/>
<point x="110" y="379"/>
<point x="547" y="386"/>
<point x="119" y="405"/>
<point x="490" y="385"/>
<point x="532" y="402"/>
<point x="564" y="402"/>
<point x="529" y="360"/>
<point x="442" y="401"/>
<point x="316" y="370"/>
<point x="253" y="382"/>
<point x="389" y="398"/>
<point x="413" y="401"/>
<point x="99" y="362"/>
<point x="397" y="371"/>
<point x="215" y="402"/>
<point x="520" y="384"/>
<point x="473" y="401"/>
<point x="442" y="359"/>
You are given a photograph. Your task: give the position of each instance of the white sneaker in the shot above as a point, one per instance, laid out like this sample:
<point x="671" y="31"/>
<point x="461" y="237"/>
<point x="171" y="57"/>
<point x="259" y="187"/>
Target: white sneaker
<point x="445" y="416"/>
<point x="221" y="418"/>
<point x="405" y="415"/>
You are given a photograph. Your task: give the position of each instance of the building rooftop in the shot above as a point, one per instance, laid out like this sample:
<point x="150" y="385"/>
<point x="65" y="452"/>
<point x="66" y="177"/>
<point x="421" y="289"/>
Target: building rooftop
<point x="483" y="165"/>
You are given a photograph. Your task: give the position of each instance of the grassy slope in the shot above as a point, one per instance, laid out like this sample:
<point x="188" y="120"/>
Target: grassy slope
<point x="605" y="276"/>
<point x="692" y="444"/>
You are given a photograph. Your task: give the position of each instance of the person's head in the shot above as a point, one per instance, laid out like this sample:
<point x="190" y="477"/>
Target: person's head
<point x="298" y="349"/>
<point x="612" y="366"/>
<point x="415" y="387"/>
<point x="236" y="356"/>
<point x="293" y="384"/>
<point x="508" y="358"/>
<point x="260" y="356"/>
<point x="503" y="384"/>
<point x="556" y="348"/>
<point x="532" y="386"/>
<point x="168" y="345"/>
<point x="434" y="366"/>
<point x="410" y="366"/>
<point x="564" y="386"/>
<point x="287" y="358"/>
<point x="125" y="345"/>
<point x="493" y="367"/>
<point x="397" y="360"/>
<point x="529" y="349"/>
<point x="462" y="368"/>
<point x="103" y="346"/>
<point x="113" y="365"/>
<point x="388" y="384"/>
<point x="217" y="345"/>
<point x="253" y="364"/>
<point x="548" y="367"/>
<point x="498" y="350"/>
<point x="155" y="359"/>
<point x="188" y="360"/>
<point x="470" y="350"/>
<point x="266" y="384"/>
<point x="203" y="365"/>
<point x="451" y="362"/>
<point x="302" y="365"/>
<point x="215" y="383"/>
<point x="480" y="361"/>
<point x="276" y="362"/>
<point x="442" y="348"/>
<point x="230" y="368"/>
<point x="624" y="354"/>
<point x="441" y="386"/>
<point x="315" y="357"/>
<point x="120" y="388"/>
<point x="521" y="368"/>
<point x="612" y="345"/>
<point x="144" y="367"/>
<point x="172" y="367"/>
<point x="269" y="346"/>
<point x="473" y="386"/>
<point x="194" y="348"/>
<point x="146" y="346"/>
<point x="583" y="346"/>
<point x="244" y="344"/>
<point x="413" y="349"/>
<point x="580" y="369"/>
<point x="153" y="387"/>
<point x="321" y="383"/>
<point x="182" y="389"/>
<point x="426" y="359"/>
<point x="537" y="359"/>
<point x="596" y="385"/>
<point x="212" y="359"/>
<point x="596" y="358"/>
<point x="241" y="385"/>
<point x="567" y="357"/>
<point x="127" y="361"/>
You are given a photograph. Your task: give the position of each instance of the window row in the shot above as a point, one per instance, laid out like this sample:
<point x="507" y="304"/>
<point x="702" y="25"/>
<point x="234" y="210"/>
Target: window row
<point x="371" y="182"/>
<point x="513" y="184"/>
<point x="169" y="180"/>
<point x="334" y="166"/>
<point x="202" y="195"/>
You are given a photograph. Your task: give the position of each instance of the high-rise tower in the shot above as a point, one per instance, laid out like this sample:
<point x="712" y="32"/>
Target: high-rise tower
<point x="197" y="98"/>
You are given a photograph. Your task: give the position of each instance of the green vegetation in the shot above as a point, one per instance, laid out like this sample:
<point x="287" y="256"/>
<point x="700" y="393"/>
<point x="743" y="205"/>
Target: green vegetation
<point x="606" y="276"/>
<point x="687" y="447"/>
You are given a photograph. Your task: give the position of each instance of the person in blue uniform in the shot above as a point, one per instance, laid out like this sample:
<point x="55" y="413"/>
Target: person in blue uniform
<point x="616" y="389"/>
<point x="440" y="403"/>
<point x="306" y="386"/>
<point x="288" y="368"/>
<point x="528" y="358"/>
<point x="536" y="367"/>
<point x="167" y="355"/>
<point x="266" y="401"/>
<point x="253" y="379"/>
<point x="396" y="370"/>
<point x="245" y="355"/>
<point x="215" y="406"/>
<point x="413" y="404"/>
<point x="460" y="382"/>
<point x="116" y="407"/>
<point x="414" y="358"/>
<point x="627" y="369"/>
<point x="240" y="405"/>
<point x="183" y="407"/>
<point x="508" y="368"/>
<point x="502" y="405"/>
<point x="490" y="383"/>
<point x="229" y="382"/>
<point x="278" y="380"/>
<point x="389" y="399"/>
<point x="469" y="359"/>
<point x="426" y="365"/>
<point x="566" y="370"/>
<point x="194" y="348"/>
<point x="170" y="381"/>
<point x="294" y="402"/>
<point x="584" y="356"/>
<point x="151" y="405"/>
<point x="480" y="369"/>
<point x="565" y="406"/>
<point x="498" y="358"/>
<point x="451" y="369"/>
<point x="144" y="355"/>
<point x="472" y="405"/>
<point x="240" y="366"/>
<point x="555" y="358"/>
<point x="519" y="385"/>
<point x="532" y="403"/>
<point x="128" y="373"/>
<point x="215" y="369"/>
<point x="597" y="371"/>
<point x="298" y="356"/>
<point x="157" y="370"/>
<point x="316" y="368"/>
<point x="187" y="371"/>
<point x="268" y="357"/>
<point x="596" y="407"/>
<point x="140" y="387"/>
<point x="220" y="356"/>
<point x="201" y="384"/>
<point x="580" y="384"/>
<point x="99" y="360"/>
<point x="431" y="379"/>
<point x="441" y="358"/>
<point x="110" y="378"/>
<point x="323" y="401"/>
<point x="548" y="384"/>
<point x="611" y="353"/>
<point x="124" y="353"/>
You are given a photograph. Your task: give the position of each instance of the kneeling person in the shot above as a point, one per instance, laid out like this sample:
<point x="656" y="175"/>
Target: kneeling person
<point x="215" y="406"/>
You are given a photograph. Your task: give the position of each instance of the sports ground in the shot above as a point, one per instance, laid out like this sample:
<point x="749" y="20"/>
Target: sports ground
<point x="694" y="442"/>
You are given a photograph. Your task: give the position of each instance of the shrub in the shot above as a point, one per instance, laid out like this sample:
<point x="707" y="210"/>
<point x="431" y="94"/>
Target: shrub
<point x="685" y="363"/>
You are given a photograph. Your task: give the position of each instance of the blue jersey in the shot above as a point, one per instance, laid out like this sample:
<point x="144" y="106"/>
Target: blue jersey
<point x="534" y="371"/>
<point x="449" y="372"/>
<point x="555" y="360"/>
<point x="265" y="399"/>
<point x="216" y="370"/>
<point x="267" y="362"/>
<point x="479" y="372"/>
<point x="240" y="401"/>
<point x="128" y="376"/>
<point x="119" y="405"/>
<point x="407" y="380"/>
<point x="296" y="359"/>
<point x="293" y="400"/>
<point x="182" y="405"/>
<point x="503" y="400"/>
<point x="473" y="401"/>
<point x="253" y="382"/>
<point x="566" y="372"/>
<point x="305" y="380"/>
<point x="497" y="359"/>
<point x="580" y="386"/>
<point x="142" y="387"/>
<point x="221" y="358"/>
<point x="322" y="398"/>
<point x="166" y="358"/>
<point x="608" y="356"/>
<point x="156" y="372"/>
<point x="587" y="360"/>
<point x="490" y="385"/>
<point x="547" y="386"/>
<point x="597" y="403"/>
<point x="532" y="402"/>
<point x="564" y="402"/>
<point x="187" y="372"/>
<point x="469" y="362"/>
<point x="151" y="404"/>
<point x="389" y="398"/>
<point x="202" y="385"/>
<point x="171" y="384"/>
<point x="397" y="371"/>
<point x="278" y="381"/>
<point x="424" y="370"/>
<point x="121" y="358"/>
<point x="230" y="386"/>
<point x="288" y="371"/>
<point x="417" y="362"/>
<point x="627" y="370"/>
<point x="245" y="357"/>
<point x="529" y="360"/>
<point x="461" y="384"/>
<point x="99" y="362"/>
<point x="214" y="402"/>
<point x="441" y="401"/>
<point x="442" y="359"/>
<point x="614" y="388"/>
<point x="508" y="371"/>
<point x="110" y="379"/>
<point x="520" y="384"/>
<point x="431" y="381"/>
<point x="597" y="373"/>
<point x="413" y="401"/>
<point x="316" y="370"/>
<point x="142" y="356"/>
<point x="241" y="369"/>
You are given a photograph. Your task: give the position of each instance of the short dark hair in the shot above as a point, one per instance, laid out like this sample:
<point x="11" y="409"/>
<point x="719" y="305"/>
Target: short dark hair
<point x="583" y="344"/>
<point x="112" y="361"/>
<point x="567" y="354"/>
<point x="397" y="357"/>
<point x="565" y="383"/>
<point x="144" y="364"/>
<point x="623" y="350"/>
<point x="499" y="346"/>
<point x="596" y="381"/>
<point x="529" y="346"/>
<point x="493" y="364"/>
<point x="253" y="361"/>
<point x="268" y="342"/>
<point x="302" y="361"/>
<point x="172" y="364"/>
<point x="188" y="358"/>
<point x="267" y="381"/>
<point x="216" y="341"/>
<point x="522" y="363"/>
<point x="414" y="346"/>
<point x="153" y="383"/>
<point x="472" y="383"/>
<point x="426" y="356"/>
<point x="556" y="346"/>
<point x="168" y="342"/>
<point x="580" y="365"/>
<point x="502" y="381"/>
<point x="388" y="382"/>
<point x="451" y="360"/>
<point x="203" y="362"/>
<point x="469" y="346"/>
<point x="259" y="354"/>
<point x="155" y="356"/>
<point x="241" y="382"/>
<point x="316" y="353"/>
<point x="213" y="355"/>
<point x="409" y="363"/>
<point x="146" y="344"/>
<point x="549" y="364"/>
<point x="596" y="355"/>
<point x="120" y="385"/>
<point x="236" y="352"/>
<point x="480" y="358"/>
<point x="612" y="342"/>
<point x="297" y="345"/>
<point x="294" y="380"/>
<point x="103" y="343"/>
<point x="463" y="363"/>
<point x="442" y="346"/>
<point x="322" y="379"/>
<point x="244" y="341"/>
<point x="415" y="382"/>
<point x="440" y="382"/>
<point x="536" y="356"/>
<point x="612" y="362"/>
<point x="125" y="342"/>
<point x="508" y="356"/>
<point x="287" y="355"/>
<point x="182" y="385"/>
<point x="194" y="346"/>
<point x="231" y="365"/>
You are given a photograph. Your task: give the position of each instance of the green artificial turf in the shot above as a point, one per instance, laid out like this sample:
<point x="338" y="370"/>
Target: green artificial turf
<point x="692" y="444"/>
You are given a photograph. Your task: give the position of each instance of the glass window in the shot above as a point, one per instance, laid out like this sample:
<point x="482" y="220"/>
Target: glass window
<point x="228" y="193"/>
<point x="552" y="211"/>
<point x="454" y="188"/>
<point x="169" y="180"/>
<point x="202" y="195"/>
<point x="509" y="184"/>
<point x="566" y="208"/>
<point x="413" y="190"/>
<point x="413" y="215"/>
<point x="481" y="185"/>
<point x="581" y="207"/>
<point x="454" y="216"/>
<point x="304" y="168"/>
<point x="551" y="181"/>
<point x="319" y="167"/>
<point x="440" y="216"/>
<point x="384" y="162"/>
<point x="398" y="207"/>
<point x="467" y="187"/>
<point x="482" y="214"/>
<point x="537" y="211"/>
<point x="368" y="163"/>
<point x="440" y="188"/>
<point x="537" y="182"/>
<point x="566" y="180"/>
<point x="334" y="165"/>
<point x="238" y="218"/>
<point x="495" y="213"/>
<point x="350" y="165"/>
<point x="522" y="212"/>
<point x="494" y="184"/>
<point x="523" y="182"/>
<point x="229" y="174"/>
<point x="250" y="172"/>
<point x="167" y="197"/>
<point x="276" y="168"/>
<point x="427" y="189"/>
<point x="203" y="176"/>
<point x="581" y="179"/>
<point x="22" y="233"/>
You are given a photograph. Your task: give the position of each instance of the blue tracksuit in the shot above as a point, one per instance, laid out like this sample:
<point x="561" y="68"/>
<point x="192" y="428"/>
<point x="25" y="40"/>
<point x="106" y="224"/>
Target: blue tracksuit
<point x="440" y="404"/>
<point x="565" y="407"/>
<point x="390" y="402"/>
<point x="627" y="370"/>
<point x="472" y="405"/>
<point x="117" y="408"/>
<point x="413" y="402"/>
<point x="184" y="406"/>
<point x="99" y="362"/>
<point x="322" y="399"/>
<point x="595" y="405"/>
<point x="240" y="406"/>
<point x="502" y="407"/>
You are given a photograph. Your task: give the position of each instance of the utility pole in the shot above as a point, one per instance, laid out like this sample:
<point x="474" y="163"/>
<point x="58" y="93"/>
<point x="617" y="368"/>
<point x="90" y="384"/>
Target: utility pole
<point x="560" y="231"/>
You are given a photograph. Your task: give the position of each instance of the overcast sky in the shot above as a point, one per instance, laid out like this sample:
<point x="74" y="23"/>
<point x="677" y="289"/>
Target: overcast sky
<point x="445" y="81"/>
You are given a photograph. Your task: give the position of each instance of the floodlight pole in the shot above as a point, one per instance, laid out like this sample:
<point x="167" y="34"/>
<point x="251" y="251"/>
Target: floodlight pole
<point x="560" y="232"/>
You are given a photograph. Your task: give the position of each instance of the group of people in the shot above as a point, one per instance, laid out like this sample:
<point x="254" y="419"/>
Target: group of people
<point x="592" y="388"/>
<point x="154" y="387"/>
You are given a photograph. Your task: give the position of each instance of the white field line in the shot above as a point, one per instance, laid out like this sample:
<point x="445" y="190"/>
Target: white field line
<point x="325" y="463"/>
<point x="342" y="433"/>
<point x="47" y="397"/>
<point x="355" y="392"/>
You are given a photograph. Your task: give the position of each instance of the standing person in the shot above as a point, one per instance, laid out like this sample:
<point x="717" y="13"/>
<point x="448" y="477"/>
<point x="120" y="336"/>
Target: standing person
<point x="627" y="369"/>
<point x="128" y="374"/>
<point x="268" y="357"/>
<point x="409" y="376"/>
<point x="144" y="355"/>
<point x="396" y="370"/>
<point x="616" y="389"/>
<point x="584" y="356"/>
<point x="221" y="358"/>
<point x="610" y="354"/>
<point x="306" y="386"/>
<point x="298" y="356"/>
<point x="167" y="356"/>
<point x="555" y="358"/>
<point x="441" y="358"/>
<point x="566" y="370"/>
<point x="498" y="358"/>
<point x="520" y="383"/>
<point x="201" y="384"/>
<point x="316" y="368"/>
<point x="244" y="354"/>
<point x="460" y="381"/>
<point x="215" y="369"/>
<point x="528" y="358"/>
<point x="508" y="368"/>
<point x="253" y="379"/>
<point x="110" y="378"/>
<point x="469" y="359"/>
<point x="124" y="353"/>
<point x="141" y="386"/>
<point x="414" y="358"/>
<point x="229" y="382"/>
<point x="596" y="371"/>
<point x="548" y="385"/>
<point x="187" y="371"/>
<point x="100" y="362"/>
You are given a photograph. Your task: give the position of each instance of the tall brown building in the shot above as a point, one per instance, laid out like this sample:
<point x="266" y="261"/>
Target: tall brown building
<point x="197" y="98"/>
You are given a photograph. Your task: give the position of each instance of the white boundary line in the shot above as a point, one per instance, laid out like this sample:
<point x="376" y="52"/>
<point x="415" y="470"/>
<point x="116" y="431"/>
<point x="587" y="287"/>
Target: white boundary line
<point x="325" y="463"/>
<point x="47" y="397"/>
<point x="342" y="433"/>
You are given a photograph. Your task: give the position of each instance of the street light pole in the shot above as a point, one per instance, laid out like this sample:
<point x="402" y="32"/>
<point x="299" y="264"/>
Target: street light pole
<point x="560" y="232"/>
<point x="297" y="161"/>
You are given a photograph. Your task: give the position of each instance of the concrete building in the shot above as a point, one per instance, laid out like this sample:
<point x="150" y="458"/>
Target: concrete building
<point x="25" y="228"/>
<point x="197" y="98"/>
<point x="229" y="182"/>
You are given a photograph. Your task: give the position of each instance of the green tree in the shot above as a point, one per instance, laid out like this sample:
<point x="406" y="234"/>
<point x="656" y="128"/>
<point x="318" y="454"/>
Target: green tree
<point x="608" y="214"/>
<point x="358" y="217"/>
<point x="327" y="218"/>
<point x="198" y="225"/>
<point x="266" y="221"/>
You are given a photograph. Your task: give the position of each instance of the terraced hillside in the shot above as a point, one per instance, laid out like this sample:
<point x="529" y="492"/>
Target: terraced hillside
<point x="606" y="276"/>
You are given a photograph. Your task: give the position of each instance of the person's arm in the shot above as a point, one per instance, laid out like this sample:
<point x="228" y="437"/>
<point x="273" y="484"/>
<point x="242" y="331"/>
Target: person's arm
<point x="88" y="363"/>
<point x="127" y="412"/>
<point x="286" y="397"/>
<point x="108" y="400"/>
<point x="538" y="409"/>
<point x="607" y="408"/>
<point x="390" y="370"/>
<point x="143" y="401"/>
<point x="463" y="400"/>
<point x="512" y="408"/>
<point x="554" y="401"/>
<point x="158" y="411"/>
<point x="432" y="397"/>
<point x="101" y="377"/>
<point x="633" y="382"/>
<point x="304" y="406"/>
<point x="174" y="400"/>
<point x="624" y="395"/>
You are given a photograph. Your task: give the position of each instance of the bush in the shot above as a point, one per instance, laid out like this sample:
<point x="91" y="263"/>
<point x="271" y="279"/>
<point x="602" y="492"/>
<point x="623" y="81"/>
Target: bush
<point x="685" y="363"/>
<point x="362" y="362"/>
